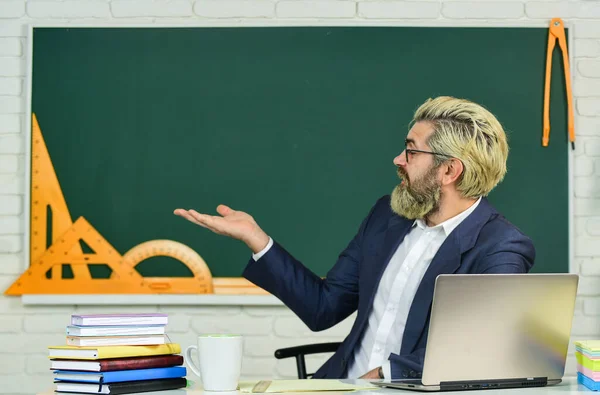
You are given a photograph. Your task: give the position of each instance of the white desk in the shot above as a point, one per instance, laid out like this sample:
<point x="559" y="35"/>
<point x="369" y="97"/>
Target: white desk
<point x="568" y="386"/>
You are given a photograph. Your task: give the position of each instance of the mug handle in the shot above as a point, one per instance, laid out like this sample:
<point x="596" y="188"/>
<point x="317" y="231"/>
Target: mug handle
<point x="190" y="361"/>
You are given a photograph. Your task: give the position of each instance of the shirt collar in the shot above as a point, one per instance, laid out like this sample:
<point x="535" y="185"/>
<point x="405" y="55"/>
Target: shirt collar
<point x="450" y="224"/>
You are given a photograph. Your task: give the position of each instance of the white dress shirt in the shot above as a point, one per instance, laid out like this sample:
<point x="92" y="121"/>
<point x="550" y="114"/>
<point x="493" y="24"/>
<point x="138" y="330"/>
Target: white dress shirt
<point x="395" y="293"/>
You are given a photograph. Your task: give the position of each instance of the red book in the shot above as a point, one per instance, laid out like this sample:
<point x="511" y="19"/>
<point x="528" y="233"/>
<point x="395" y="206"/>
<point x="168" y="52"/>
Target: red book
<point x="107" y="365"/>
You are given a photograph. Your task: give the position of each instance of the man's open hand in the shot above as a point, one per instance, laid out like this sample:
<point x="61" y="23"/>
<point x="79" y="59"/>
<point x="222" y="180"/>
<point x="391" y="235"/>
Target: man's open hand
<point x="236" y="224"/>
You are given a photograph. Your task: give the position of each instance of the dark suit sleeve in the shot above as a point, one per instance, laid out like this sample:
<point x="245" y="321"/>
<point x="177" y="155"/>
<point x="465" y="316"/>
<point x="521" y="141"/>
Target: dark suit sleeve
<point x="319" y="303"/>
<point x="512" y="252"/>
<point x="407" y="366"/>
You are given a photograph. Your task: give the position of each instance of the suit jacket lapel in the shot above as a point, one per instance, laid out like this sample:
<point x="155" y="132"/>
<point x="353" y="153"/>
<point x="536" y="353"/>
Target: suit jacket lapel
<point x="446" y="260"/>
<point x="398" y="228"/>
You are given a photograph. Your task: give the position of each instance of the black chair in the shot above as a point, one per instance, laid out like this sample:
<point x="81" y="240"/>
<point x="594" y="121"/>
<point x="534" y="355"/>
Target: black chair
<point x="300" y="351"/>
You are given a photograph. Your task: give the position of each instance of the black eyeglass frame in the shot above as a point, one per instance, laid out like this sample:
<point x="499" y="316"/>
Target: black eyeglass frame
<point x="412" y="151"/>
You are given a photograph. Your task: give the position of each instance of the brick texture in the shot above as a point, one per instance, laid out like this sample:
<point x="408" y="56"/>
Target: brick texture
<point x="26" y="331"/>
<point x="399" y="9"/>
<point x="68" y="9"/>
<point x="165" y="8"/>
<point x="482" y="10"/>
<point x="235" y="9"/>
<point x="316" y="9"/>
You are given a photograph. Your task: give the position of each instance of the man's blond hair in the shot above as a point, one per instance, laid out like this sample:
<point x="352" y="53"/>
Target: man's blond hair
<point x="470" y="133"/>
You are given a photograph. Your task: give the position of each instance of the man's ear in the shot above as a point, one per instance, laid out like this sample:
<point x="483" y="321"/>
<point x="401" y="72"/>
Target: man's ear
<point x="453" y="169"/>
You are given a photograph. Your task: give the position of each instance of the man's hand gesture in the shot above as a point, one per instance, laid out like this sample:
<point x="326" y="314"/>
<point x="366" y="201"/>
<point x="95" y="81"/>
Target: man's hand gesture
<point x="236" y="224"/>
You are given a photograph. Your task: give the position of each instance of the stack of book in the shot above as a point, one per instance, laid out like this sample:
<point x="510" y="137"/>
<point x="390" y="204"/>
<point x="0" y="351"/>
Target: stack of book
<point x="117" y="354"/>
<point x="587" y="353"/>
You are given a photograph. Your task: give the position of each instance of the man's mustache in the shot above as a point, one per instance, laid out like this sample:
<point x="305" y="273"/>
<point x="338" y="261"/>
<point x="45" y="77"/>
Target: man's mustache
<point x="402" y="174"/>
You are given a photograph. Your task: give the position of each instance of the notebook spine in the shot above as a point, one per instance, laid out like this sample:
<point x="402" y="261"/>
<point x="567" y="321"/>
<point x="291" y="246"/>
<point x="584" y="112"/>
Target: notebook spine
<point x="130" y="387"/>
<point x="140" y="363"/>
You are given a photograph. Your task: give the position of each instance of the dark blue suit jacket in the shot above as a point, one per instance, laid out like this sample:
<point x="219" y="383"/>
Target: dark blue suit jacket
<point x="485" y="242"/>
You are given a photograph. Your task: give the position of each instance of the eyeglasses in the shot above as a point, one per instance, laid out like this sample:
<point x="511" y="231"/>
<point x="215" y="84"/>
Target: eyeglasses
<point x="408" y="151"/>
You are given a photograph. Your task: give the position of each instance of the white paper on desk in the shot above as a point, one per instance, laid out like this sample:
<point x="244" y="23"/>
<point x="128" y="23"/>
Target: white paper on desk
<point x="310" y="385"/>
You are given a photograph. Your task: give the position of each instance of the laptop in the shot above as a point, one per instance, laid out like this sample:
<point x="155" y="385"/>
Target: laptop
<point x="491" y="331"/>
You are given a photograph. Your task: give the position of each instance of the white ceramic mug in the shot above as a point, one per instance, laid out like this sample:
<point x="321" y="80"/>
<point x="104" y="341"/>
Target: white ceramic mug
<point x="219" y="361"/>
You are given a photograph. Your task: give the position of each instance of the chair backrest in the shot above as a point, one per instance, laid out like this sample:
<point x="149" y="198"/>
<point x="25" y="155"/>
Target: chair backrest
<point x="299" y="352"/>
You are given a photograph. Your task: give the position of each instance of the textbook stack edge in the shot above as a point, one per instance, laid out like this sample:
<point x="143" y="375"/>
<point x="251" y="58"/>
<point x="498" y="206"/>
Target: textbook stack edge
<point x="587" y="353"/>
<point x="117" y="354"/>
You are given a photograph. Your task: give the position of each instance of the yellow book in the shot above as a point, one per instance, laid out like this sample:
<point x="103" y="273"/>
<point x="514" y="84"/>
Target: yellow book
<point x="104" y="352"/>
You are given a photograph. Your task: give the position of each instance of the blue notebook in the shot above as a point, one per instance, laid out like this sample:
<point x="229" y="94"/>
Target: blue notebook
<point x="588" y="382"/>
<point x="120" y="375"/>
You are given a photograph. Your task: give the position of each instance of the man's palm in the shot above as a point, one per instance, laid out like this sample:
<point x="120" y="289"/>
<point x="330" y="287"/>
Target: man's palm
<point x="236" y="224"/>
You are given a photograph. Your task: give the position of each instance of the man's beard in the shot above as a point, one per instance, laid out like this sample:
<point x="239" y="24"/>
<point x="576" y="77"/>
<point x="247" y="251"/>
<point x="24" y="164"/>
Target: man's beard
<point x="419" y="198"/>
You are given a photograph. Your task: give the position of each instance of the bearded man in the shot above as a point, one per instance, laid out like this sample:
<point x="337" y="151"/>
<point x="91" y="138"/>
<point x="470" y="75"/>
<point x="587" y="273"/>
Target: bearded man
<point x="436" y="221"/>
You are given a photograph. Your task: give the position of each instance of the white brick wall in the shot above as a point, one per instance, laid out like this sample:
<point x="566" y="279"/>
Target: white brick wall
<point x="589" y="68"/>
<point x="483" y="10"/>
<point x="316" y="9"/>
<point x="68" y="9"/>
<point x="26" y="331"/>
<point x="133" y="8"/>
<point x="234" y="9"/>
<point x="584" y="48"/>
<point x="399" y="9"/>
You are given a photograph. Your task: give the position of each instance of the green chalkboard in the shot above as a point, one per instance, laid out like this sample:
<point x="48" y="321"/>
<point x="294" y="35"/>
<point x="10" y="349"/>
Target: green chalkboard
<point x="296" y="125"/>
